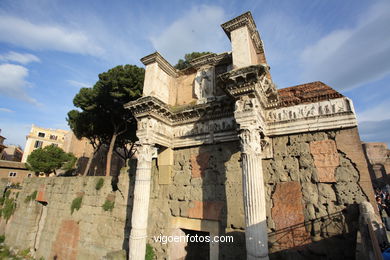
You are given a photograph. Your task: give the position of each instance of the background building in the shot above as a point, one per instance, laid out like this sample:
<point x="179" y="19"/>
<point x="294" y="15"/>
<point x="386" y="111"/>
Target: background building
<point x="41" y="137"/>
<point x="2" y="146"/>
<point x="12" y="153"/>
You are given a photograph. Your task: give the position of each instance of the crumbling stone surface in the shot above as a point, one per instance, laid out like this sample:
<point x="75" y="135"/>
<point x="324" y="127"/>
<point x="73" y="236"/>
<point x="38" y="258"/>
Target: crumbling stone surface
<point x="207" y="185"/>
<point x="329" y="173"/>
<point x="326" y="159"/>
<point x="88" y="233"/>
<point x="287" y="212"/>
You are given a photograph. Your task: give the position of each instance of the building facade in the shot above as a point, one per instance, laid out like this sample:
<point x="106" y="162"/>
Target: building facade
<point x="15" y="172"/>
<point x="222" y="151"/>
<point x="12" y="153"/>
<point x="40" y="137"/>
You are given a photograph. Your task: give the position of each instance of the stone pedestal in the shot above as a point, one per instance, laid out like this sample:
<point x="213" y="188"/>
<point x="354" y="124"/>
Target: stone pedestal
<point x="139" y="218"/>
<point x="254" y="196"/>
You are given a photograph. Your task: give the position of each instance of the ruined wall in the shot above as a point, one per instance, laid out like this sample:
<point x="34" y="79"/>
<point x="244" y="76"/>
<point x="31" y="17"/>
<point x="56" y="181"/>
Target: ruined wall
<point x="313" y="186"/>
<point x="48" y="225"/>
<point x="205" y="185"/>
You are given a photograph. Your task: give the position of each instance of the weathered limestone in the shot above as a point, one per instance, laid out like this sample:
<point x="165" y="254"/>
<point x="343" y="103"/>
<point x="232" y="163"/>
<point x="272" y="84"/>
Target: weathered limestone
<point x="254" y="197"/>
<point x="139" y="218"/>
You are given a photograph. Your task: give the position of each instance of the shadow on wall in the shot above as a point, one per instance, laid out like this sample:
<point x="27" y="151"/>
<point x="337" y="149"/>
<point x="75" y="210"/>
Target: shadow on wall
<point x="293" y="242"/>
<point x="132" y="167"/>
<point x="98" y="165"/>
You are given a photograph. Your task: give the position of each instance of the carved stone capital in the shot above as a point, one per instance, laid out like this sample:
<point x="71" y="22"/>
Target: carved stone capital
<point x="145" y="153"/>
<point x="250" y="140"/>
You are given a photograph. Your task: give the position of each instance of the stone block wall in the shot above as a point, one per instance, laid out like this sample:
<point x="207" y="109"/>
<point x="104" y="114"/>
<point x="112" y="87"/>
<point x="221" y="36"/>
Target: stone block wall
<point x="206" y="185"/>
<point x="314" y="184"/>
<point x="48" y="226"/>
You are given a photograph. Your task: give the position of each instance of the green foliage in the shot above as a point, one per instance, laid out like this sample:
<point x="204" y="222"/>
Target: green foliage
<point x="149" y="255"/>
<point x="108" y="205"/>
<point x="31" y="197"/>
<point x="7" y="193"/>
<point x="5" y="253"/>
<point x="49" y="159"/>
<point x="183" y="64"/>
<point x="99" y="184"/>
<point x="102" y="114"/>
<point x="76" y="204"/>
<point x="16" y="186"/>
<point x="25" y="252"/>
<point x="2" y="239"/>
<point x="8" y="208"/>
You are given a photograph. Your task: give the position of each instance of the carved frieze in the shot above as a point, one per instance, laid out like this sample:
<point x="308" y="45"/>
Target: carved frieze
<point x="205" y="127"/>
<point x="323" y="108"/>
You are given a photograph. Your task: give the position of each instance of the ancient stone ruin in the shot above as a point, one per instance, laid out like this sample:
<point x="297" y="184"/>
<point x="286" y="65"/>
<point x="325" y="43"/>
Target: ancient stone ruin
<point x="279" y="169"/>
<point x="222" y="152"/>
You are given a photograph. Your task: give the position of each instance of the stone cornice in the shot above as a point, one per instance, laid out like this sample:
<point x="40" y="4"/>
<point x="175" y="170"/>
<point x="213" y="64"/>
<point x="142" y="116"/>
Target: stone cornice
<point x="151" y="106"/>
<point x="245" y="19"/>
<point x="250" y="80"/>
<point x="162" y="63"/>
<point x="212" y="59"/>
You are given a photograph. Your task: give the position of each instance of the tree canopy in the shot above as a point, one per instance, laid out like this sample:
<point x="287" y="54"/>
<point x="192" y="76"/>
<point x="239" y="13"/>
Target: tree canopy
<point x="49" y="159"/>
<point x="183" y="64"/>
<point x="103" y="119"/>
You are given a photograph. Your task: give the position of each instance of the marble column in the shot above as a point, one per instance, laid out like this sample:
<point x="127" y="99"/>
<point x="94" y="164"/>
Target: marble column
<point x="254" y="195"/>
<point x="139" y="218"/>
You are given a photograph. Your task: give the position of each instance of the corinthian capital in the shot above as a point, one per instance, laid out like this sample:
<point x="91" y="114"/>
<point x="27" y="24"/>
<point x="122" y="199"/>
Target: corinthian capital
<point x="146" y="152"/>
<point x="250" y="141"/>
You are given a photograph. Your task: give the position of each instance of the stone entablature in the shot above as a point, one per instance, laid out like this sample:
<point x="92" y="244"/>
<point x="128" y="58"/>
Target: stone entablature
<point x="212" y="59"/>
<point x="231" y="97"/>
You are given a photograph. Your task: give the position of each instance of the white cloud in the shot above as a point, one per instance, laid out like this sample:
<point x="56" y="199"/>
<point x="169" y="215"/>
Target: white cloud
<point x="22" y="58"/>
<point x="349" y="58"/>
<point x="46" y="37"/>
<point x="13" y="82"/>
<point x="78" y="84"/>
<point x="376" y="112"/>
<point x="197" y="30"/>
<point x="3" y="109"/>
<point x="15" y="133"/>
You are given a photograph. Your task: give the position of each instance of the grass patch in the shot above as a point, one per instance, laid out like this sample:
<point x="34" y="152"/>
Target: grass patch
<point x="99" y="184"/>
<point x="76" y="204"/>
<point x="108" y="205"/>
<point x="7" y="193"/>
<point x="25" y="252"/>
<point x="8" y="208"/>
<point x="31" y="197"/>
<point x="149" y="254"/>
<point x="2" y="239"/>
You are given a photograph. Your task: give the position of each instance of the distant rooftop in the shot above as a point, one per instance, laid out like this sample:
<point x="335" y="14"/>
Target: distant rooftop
<point x="307" y="93"/>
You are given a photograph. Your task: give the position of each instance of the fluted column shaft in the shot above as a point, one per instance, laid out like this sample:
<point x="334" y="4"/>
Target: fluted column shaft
<point x="139" y="218"/>
<point x="254" y="195"/>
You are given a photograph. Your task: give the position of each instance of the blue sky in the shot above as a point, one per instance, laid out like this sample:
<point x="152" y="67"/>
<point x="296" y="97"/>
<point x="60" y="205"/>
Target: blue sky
<point x="49" y="49"/>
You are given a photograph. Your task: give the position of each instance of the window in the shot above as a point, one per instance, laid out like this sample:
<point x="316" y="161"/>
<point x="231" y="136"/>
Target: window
<point x="12" y="174"/>
<point x="53" y="137"/>
<point x="29" y="175"/>
<point x="38" y="144"/>
<point x="40" y="134"/>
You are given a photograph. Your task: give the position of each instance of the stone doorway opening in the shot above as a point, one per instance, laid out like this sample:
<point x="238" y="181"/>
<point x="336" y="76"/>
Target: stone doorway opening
<point x="198" y="247"/>
<point x="181" y="227"/>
